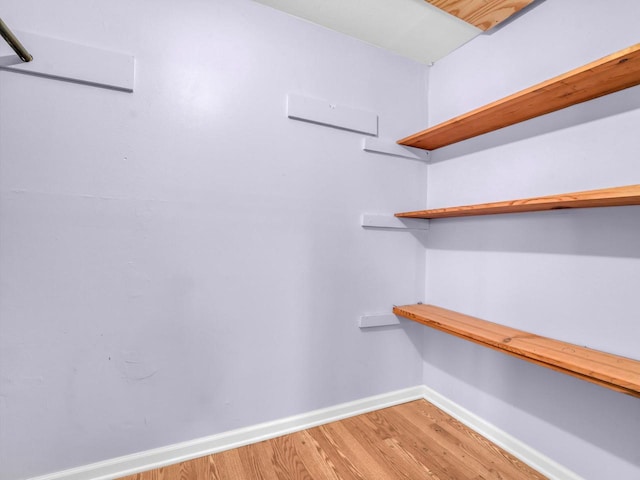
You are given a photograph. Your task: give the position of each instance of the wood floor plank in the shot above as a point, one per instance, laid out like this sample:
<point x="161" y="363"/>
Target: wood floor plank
<point x="344" y="466"/>
<point x="456" y="443"/>
<point x="440" y="454"/>
<point x="350" y="447"/>
<point x="197" y="469"/>
<point x="168" y="473"/>
<point x="459" y="456"/>
<point x="226" y="465"/>
<point x="385" y="446"/>
<point x="410" y="451"/>
<point x="412" y="441"/>
<point x="287" y="461"/>
<point x="256" y="460"/>
<point x="474" y="445"/>
<point x="319" y="464"/>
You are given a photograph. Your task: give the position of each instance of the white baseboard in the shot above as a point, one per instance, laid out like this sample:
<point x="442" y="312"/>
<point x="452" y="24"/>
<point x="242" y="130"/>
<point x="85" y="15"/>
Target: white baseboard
<point x="160" y="457"/>
<point x="179" y="452"/>
<point x="515" y="447"/>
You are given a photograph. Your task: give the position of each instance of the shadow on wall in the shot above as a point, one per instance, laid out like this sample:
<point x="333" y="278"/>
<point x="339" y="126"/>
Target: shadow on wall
<point x="607" y="232"/>
<point x="607" y="106"/>
<point x="579" y="408"/>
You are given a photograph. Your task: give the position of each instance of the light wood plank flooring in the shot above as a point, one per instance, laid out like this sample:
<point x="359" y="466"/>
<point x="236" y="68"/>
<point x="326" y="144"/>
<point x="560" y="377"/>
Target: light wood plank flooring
<point x="411" y="441"/>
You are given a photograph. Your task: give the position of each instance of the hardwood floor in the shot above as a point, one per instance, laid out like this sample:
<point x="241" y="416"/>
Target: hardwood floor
<point x="411" y="441"/>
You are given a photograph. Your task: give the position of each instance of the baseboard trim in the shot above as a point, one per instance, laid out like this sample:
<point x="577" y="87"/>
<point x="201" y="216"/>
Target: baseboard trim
<point x="180" y="452"/>
<point x="515" y="447"/>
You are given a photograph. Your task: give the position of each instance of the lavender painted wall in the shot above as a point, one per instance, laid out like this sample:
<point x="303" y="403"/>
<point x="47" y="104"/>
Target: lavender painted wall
<point x="572" y="275"/>
<point x="185" y="260"/>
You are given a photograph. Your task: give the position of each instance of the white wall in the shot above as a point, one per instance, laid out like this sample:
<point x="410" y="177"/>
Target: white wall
<point x="571" y="275"/>
<point x="185" y="260"/>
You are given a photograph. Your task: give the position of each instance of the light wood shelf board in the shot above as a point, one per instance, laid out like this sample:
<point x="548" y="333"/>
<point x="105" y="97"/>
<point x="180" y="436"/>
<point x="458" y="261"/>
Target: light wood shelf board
<point x="606" y="197"/>
<point x="607" y="75"/>
<point x="608" y="370"/>
<point x="483" y="14"/>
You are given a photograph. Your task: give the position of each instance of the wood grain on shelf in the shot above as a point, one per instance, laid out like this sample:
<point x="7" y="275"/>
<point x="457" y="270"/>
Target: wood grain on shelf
<point x="605" y="197"/>
<point x="609" y="74"/>
<point x="483" y="14"/>
<point x="612" y="371"/>
<point x="413" y="440"/>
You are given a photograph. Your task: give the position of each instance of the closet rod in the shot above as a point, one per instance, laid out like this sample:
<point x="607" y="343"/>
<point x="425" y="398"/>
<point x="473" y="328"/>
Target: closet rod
<point x="14" y="43"/>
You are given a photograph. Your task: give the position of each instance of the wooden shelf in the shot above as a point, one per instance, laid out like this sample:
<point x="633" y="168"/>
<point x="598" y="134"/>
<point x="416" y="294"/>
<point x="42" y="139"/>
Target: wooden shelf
<point x="606" y="197"/>
<point x="609" y="74"/>
<point x="605" y="369"/>
<point x="480" y="13"/>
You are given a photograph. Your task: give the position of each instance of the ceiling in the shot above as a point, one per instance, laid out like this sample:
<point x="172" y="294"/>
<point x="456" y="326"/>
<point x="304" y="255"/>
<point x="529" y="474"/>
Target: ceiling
<point x="421" y="30"/>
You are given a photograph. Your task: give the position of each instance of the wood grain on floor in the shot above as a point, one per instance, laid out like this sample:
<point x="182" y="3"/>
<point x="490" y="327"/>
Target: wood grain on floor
<point x="411" y="441"/>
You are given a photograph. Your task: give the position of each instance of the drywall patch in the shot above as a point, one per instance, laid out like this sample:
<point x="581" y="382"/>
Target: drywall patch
<point x="134" y="368"/>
